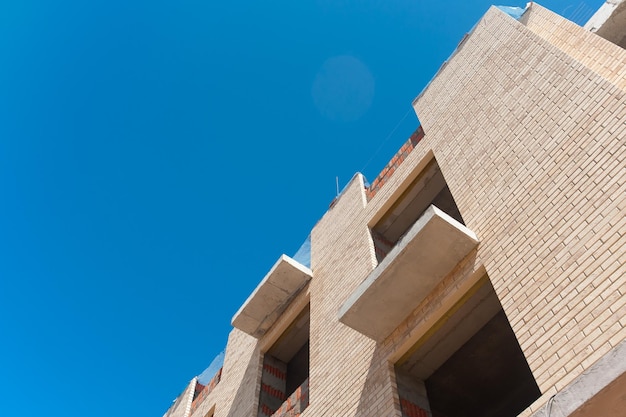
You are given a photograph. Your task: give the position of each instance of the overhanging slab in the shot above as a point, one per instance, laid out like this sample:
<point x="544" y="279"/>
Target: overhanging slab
<point x="270" y="298"/>
<point x="430" y="249"/>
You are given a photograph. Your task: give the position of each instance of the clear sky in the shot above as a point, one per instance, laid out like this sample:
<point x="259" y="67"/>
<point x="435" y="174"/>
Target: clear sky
<point x="157" y="157"/>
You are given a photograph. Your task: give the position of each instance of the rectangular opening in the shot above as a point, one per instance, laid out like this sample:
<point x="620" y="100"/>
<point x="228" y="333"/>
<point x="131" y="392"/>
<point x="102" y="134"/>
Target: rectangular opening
<point x="471" y="366"/>
<point x="429" y="187"/>
<point x="285" y="377"/>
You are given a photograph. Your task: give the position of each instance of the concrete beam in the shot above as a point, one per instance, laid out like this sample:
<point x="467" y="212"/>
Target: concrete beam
<point x="431" y="248"/>
<point x="272" y="296"/>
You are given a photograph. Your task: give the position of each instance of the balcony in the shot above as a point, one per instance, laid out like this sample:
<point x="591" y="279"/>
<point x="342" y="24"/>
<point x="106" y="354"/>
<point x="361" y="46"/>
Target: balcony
<point x="272" y="296"/>
<point x="427" y="252"/>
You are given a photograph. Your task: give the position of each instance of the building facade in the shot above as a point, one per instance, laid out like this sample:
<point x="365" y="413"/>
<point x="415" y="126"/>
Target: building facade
<point x="482" y="273"/>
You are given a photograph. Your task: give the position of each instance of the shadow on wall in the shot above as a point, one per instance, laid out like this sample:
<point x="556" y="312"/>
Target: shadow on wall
<point x="245" y="400"/>
<point x="381" y="370"/>
<point x="371" y="388"/>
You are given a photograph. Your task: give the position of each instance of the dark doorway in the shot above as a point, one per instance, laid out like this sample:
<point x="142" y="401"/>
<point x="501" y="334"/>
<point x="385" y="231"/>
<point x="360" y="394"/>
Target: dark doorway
<point x="472" y="366"/>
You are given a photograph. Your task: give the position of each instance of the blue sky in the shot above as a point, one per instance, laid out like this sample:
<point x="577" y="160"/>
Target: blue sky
<point x="156" y="158"/>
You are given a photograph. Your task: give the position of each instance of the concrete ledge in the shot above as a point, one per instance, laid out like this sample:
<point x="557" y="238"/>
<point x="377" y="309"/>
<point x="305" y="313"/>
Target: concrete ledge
<point x="598" y="391"/>
<point x="270" y="298"/>
<point x="430" y="249"/>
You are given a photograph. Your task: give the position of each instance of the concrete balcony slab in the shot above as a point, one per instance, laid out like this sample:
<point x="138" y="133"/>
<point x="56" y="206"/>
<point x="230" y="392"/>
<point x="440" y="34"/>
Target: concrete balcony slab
<point x="429" y="250"/>
<point x="272" y="296"/>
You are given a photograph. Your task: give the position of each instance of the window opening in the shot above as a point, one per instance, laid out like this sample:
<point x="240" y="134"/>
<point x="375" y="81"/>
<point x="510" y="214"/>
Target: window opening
<point x="286" y="371"/>
<point x="472" y="366"/>
<point x="428" y="188"/>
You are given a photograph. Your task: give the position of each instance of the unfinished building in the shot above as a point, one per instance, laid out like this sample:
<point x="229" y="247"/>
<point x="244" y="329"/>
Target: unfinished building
<point x="482" y="273"/>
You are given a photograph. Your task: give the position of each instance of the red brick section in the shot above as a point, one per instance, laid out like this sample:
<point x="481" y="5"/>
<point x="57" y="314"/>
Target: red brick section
<point x="411" y="410"/>
<point x="205" y="390"/>
<point x="198" y="389"/>
<point x="273" y="392"/>
<point x="395" y="162"/>
<point x="382" y="246"/>
<point x="273" y="386"/>
<point x="296" y="403"/>
<point x="272" y="370"/>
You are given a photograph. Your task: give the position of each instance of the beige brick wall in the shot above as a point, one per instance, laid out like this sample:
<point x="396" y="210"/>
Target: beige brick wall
<point x="237" y="392"/>
<point x="341" y="257"/>
<point x="593" y="51"/>
<point x="532" y="143"/>
<point x="182" y="404"/>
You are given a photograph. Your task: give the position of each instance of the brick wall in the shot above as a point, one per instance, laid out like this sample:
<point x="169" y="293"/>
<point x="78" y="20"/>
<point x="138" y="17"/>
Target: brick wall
<point x="238" y="391"/>
<point x="395" y="162"/>
<point x="203" y="391"/>
<point x="273" y="386"/>
<point x="182" y="405"/>
<point x="593" y="51"/>
<point x="411" y="410"/>
<point x="296" y="403"/>
<point x="413" y="397"/>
